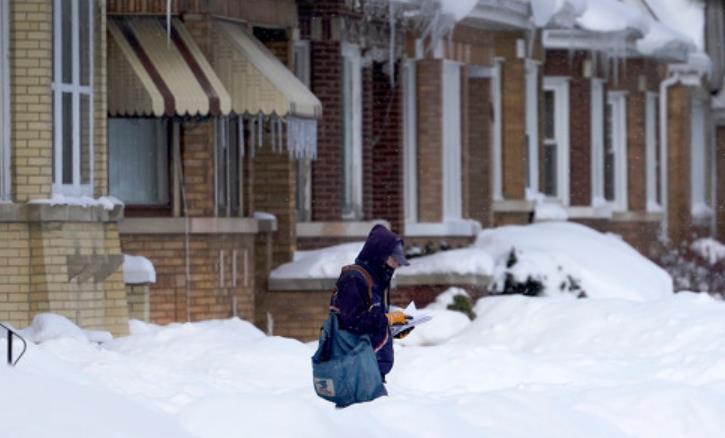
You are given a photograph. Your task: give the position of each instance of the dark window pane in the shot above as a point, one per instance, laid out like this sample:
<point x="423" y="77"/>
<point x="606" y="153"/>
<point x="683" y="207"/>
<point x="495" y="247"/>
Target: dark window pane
<point x="609" y="154"/>
<point x="550" y="169"/>
<point x="85" y="140"/>
<point x="549" y="115"/>
<point x="67" y="127"/>
<point x="67" y="42"/>
<point x="138" y="161"/>
<point x="84" y="24"/>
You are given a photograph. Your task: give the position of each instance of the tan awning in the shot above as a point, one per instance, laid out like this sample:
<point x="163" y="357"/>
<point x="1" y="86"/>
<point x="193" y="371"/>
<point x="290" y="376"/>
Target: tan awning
<point x="152" y="74"/>
<point x="257" y="81"/>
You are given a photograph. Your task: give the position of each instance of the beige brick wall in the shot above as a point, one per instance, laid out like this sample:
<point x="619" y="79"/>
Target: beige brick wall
<point x="430" y="129"/>
<point x="15" y="272"/>
<point x="514" y="116"/>
<point x="100" y="103"/>
<point x="31" y="101"/>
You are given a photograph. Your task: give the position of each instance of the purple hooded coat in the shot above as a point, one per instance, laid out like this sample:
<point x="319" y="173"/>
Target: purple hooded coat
<point x="356" y="313"/>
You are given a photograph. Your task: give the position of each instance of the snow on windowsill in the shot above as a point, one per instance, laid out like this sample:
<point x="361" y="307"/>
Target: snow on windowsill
<point x="448" y="228"/>
<point x="709" y="249"/>
<point x="701" y="211"/>
<point x="106" y="202"/>
<point x="138" y="270"/>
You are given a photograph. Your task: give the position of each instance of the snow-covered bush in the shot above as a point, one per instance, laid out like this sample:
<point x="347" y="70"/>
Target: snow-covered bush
<point x="524" y="274"/>
<point x="698" y="267"/>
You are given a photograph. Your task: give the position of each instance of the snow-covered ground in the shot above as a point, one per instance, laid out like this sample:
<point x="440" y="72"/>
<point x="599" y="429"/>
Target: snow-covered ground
<point x="544" y="367"/>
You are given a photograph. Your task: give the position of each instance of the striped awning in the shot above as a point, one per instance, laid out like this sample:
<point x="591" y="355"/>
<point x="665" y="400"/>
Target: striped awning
<point x="152" y="73"/>
<point x="257" y="81"/>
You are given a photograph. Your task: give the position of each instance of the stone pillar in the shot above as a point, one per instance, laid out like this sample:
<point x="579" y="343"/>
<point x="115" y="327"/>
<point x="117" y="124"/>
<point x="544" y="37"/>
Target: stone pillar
<point x="678" y="163"/>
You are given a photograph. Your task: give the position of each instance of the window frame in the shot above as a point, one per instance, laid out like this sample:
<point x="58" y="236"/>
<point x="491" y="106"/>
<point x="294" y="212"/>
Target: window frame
<point x="452" y="140"/>
<point x="76" y="187"/>
<point x="163" y="142"/>
<point x="223" y="128"/>
<point x="598" y="110"/>
<point x="5" y="187"/>
<point x="651" y="151"/>
<point x="497" y="100"/>
<point x="618" y="102"/>
<point x="410" y="141"/>
<point x="532" y="123"/>
<point x="699" y="193"/>
<point x="560" y="86"/>
<point x="352" y="199"/>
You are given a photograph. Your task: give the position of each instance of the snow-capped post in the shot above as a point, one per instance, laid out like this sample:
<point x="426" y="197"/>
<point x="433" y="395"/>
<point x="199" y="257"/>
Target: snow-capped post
<point x="11" y="334"/>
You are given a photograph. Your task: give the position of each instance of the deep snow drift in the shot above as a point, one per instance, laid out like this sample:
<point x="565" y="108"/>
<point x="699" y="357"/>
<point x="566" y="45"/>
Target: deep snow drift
<point x="544" y="367"/>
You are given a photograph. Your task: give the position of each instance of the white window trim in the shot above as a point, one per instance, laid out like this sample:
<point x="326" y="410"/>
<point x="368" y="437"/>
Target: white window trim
<point x="76" y="188"/>
<point x="532" y="122"/>
<point x="451" y="141"/>
<point x="597" y="127"/>
<point x="410" y="135"/>
<point x="650" y="126"/>
<point x="352" y="52"/>
<point x="698" y="191"/>
<point x="496" y="96"/>
<point x="560" y="86"/>
<point x="4" y="101"/>
<point x="618" y="99"/>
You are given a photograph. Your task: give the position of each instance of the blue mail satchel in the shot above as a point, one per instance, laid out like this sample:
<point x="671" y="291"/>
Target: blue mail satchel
<point x="344" y="368"/>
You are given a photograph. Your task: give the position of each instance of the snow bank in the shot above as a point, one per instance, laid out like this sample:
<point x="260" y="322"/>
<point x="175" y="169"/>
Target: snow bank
<point x="612" y="16"/>
<point x="319" y="263"/>
<point x="47" y="326"/>
<point x="327" y="262"/>
<point x="463" y="261"/>
<point x="603" y="264"/>
<point x="525" y="367"/>
<point x="107" y="202"/>
<point x="444" y="325"/>
<point x="709" y="249"/>
<point x="457" y="9"/>
<point x="138" y="270"/>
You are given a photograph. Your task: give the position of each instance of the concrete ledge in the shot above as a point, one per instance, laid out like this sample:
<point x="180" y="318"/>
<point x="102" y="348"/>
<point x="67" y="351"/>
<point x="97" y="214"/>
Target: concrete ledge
<point x="337" y="229"/>
<point x="10" y="212"/>
<point x="513" y="206"/>
<point x="196" y="225"/>
<point x="636" y="216"/>
<point x="325" y="284"/>
<point x="457" y="228"/>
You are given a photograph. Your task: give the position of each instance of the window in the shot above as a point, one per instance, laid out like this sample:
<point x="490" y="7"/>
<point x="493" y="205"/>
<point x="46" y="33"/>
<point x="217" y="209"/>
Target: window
<point x="615" y="153"/>
<point x="138" y="161"/>
<point x="556" y="139"/>
<point x="304" y="164"/>
<point x="652" y="153"/>
<point x="73" y="97"/>
<point x="410" y="134"/>
<point x="228" y="154"/>
<point x="532" y="125"/>
<point x="452" y="202"/>
<point x="699" y="168"/>
<point x="497" y="130"/>
<point x="4" y="101"/>
<point x="597" y="112"/>
<point x="352" y="126"/>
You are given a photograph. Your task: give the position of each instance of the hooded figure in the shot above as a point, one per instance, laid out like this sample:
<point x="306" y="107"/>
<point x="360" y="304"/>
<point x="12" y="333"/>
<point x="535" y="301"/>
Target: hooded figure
<point x="382" y="253"/>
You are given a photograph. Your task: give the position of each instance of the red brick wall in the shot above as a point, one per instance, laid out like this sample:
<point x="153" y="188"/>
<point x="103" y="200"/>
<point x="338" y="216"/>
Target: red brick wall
<point x="642" y="235"/>
<point x="387" y="150"/>
<point x="327" y="168"/>
<point x="208" y="297"/>
<point x="476" y="154"/>
<point x="678" y="162"/>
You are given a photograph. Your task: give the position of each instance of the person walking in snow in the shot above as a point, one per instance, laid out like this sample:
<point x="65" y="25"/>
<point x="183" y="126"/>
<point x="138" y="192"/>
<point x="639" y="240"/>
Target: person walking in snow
<point x="379" y="257"/>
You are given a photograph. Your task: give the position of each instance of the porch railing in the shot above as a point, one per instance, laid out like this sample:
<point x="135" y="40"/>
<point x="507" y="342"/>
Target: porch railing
<point x="12" y="334"/>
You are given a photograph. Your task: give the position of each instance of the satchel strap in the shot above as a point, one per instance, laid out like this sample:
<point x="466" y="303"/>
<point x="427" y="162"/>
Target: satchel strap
<point x="368" y="279"/>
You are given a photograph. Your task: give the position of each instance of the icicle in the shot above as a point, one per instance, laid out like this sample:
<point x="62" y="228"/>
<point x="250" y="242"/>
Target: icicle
<point x="252" y="136"/>
<point x="278" y="125"/>
<point x="168" y="22"/>
<point x="240" y="134"/>
<point x="272" y="134"/>
<point x="260" y="129"/>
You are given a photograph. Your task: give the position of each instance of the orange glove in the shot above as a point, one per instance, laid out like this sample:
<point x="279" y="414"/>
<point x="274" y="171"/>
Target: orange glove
<point x="397" y="318"/>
